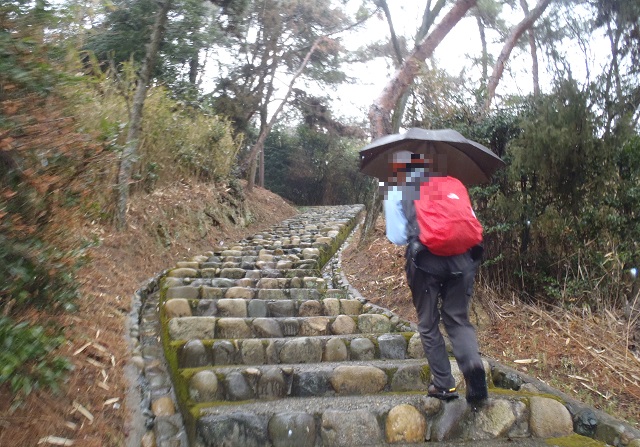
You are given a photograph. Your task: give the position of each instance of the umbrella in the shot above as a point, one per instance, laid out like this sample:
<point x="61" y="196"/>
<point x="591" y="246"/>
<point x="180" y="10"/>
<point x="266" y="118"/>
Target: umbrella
<point x="454" y="155"/>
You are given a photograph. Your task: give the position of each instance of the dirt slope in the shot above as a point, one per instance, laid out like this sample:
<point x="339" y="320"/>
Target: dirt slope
<point x="171" y="224"/>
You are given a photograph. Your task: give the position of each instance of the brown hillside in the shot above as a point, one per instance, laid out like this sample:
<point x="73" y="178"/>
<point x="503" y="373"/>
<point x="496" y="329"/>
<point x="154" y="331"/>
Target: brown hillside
<point x="171" y="224"/>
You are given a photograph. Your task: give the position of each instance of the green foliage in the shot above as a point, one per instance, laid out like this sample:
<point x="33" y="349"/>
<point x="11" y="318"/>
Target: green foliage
<point x="201" y="144"/>
<point x="561" y="222"/>
<point x="23" y="54"/>
<point x="177" y="140"/>
<point x="27" y="358"/>
<point x="35" y="275"/>
<point x="311" y="167"/>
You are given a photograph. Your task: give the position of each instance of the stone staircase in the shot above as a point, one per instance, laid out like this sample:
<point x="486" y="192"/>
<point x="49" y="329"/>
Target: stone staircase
<point x="266" y="346"/>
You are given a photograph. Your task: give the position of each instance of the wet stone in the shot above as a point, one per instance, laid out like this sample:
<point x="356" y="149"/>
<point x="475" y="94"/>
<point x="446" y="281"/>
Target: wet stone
<point x="206" y="308"/>
<point x="405" y="424"/>
<point x="507" y="379"/>
<point x="448" y="420"/>
<point x="357" y="379"/>
<point x="305" y="294"/>
<point x="362" y="349"/>
<point x="186" y="292"/>
<point x="269" y="283"/>
<point x="415" y="349"/>
<point x="253" y="352"/>
<point x="189" y="328"/>
<point x="211" y="293"/>
<point x="290" y="327"/>
<point x="311" y="383"/>
<point x="335" y="351"/>
<point x="315" y="326"/>
<point x="343" y="325"/>
<point x="410" y="378"/>
<point x="296" y="283"/>
<point x="283" y="308"/>
<point x="232" y="308"/>
<point x="203" y="386"/>
<point x="292" y="430"/>
<point x="211" y="265"/>
<point x="271" y="384"/>
<point x="177" y="307"/>
<point x="338" y="428"/>
<point x="301" y="350"/>
<point x="549" y="418"/>
<point x="282" y="265"/>
<point x="331" y="306"/>
<point x="233" y="328"/>
<point x="493" y="420"/>
<point x="392" y="346"/>
<point x="272" y="294"/>
<point x="350" y="307"/>
<point x="235" y="429"/>
<point x="223" y="352"/>
<point x="223" y="283"/>
<point x="373" y="324"/>
<point x="232" y="273"/>
<point x="168" y="282"/>
<point x="183" y="273"/>
<point x="267" y="328"/>
<point x="237" y="387"/>
<point x="585" y="422"/>
<point x="257" y="308"/>
<point x="239" y="292"/>
<point x="169" y="432"/>
<point x="310" y="309"/>
<point x="194" y="354"/>
<point x="246" y="282"/>
<point x="163" y="406"/>
<point x="273" y="351"/>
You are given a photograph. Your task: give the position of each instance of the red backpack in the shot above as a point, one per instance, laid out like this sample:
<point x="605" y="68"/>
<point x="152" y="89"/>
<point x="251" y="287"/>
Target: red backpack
<point x="448" y="225"/>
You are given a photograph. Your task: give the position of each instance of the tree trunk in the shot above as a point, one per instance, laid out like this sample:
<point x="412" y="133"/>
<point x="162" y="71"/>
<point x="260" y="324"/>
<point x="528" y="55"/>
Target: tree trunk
<point x="130" y="151"/>
<point x="485" y="52"/>
<point x="428" y="17"/>
<point x="534" y="53"/>
<point x="380" y="110"/>
<point x="264" y="132"/>
<point x="511" y="41"/>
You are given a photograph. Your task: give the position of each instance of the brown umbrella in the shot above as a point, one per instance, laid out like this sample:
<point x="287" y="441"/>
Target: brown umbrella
<point x="454" y="155"/>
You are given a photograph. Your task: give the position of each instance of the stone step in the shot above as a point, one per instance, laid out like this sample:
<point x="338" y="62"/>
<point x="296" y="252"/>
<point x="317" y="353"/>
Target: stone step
<point x="269" y="382"/>
<point x="248" y="306"/>
<point x="274" y="351"/>
<point x="209" y="328"/>
<point x="196" y="288"/>
<point x="346" y="421"/>
<point x="239" y="273"/>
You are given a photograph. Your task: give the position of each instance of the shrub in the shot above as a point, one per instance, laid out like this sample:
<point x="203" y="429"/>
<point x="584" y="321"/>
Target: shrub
<point x="27" y="361"/>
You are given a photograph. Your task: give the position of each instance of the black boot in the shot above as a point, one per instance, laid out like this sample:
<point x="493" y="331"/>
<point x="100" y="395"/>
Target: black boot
<point x="476" y="386"/>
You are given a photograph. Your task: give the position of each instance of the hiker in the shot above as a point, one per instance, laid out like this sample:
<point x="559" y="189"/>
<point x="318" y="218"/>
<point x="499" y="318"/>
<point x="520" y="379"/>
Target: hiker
<point x="433" y="278"/>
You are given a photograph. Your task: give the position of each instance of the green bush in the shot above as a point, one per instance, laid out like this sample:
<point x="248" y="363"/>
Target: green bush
<point x="27" y="360"/>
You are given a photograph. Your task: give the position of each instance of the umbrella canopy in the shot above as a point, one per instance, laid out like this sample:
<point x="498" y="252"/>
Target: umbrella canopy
<point x="454" y="155"/>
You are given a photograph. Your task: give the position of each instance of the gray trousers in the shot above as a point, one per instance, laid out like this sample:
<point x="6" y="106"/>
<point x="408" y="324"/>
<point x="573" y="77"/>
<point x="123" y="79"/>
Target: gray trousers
<point x="441" y="288"/>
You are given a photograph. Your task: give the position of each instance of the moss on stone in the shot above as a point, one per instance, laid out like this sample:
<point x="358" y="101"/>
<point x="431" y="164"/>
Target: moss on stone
<point x="574" y="440"/>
